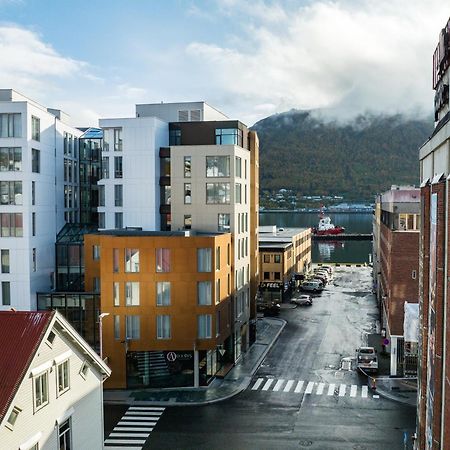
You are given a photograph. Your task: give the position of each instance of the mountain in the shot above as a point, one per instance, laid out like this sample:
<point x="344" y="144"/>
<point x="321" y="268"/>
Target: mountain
<point x="357" y="159"/>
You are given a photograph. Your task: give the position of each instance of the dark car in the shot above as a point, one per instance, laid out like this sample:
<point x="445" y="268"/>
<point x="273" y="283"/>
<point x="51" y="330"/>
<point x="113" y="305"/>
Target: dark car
<point x="272" y="310"/>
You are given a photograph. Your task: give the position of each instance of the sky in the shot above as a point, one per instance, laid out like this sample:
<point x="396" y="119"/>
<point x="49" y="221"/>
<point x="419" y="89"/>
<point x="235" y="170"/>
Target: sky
<point x="249" y="59"/>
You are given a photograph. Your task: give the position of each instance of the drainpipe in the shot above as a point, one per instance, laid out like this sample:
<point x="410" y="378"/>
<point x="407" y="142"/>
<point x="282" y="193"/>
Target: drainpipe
<point x="444" y="331"/>
<point x="196" y="367"/>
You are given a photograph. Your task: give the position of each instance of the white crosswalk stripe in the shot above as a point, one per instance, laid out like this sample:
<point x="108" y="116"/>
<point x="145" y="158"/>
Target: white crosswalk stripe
<point x="134" y="428"/>
<point x="281" y="385"/>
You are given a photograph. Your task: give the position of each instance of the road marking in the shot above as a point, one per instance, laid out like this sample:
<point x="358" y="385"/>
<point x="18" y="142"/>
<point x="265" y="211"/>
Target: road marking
<point x="123" y="423"/>
<point x="299" y="386"/>
<point x="125" y="441"/>
<point x="123" y="448"/>
<point x="376" y="396"/>
<point x="364" y="391"/>
<point x="278" y="384"/>
<point x="320" y="388"/>
<point x="133" y="429"/>
<point x="309" y="388"/>
<point x="267" y="385"/>
<point x="331" y="389"/>
<point x="257" y="384"/>
<point x="288" y="386"/>
<point x="129" y="435"/>
<point x="146" y="408"/>
<point x="153" y="419"/>
<point x="342" y="389"/>
<point x="353" y="390"/>
<point x="143" y="413"/>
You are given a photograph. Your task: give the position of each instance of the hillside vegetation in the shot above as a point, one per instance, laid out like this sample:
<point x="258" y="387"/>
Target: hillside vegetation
<point x="356" y="159"/>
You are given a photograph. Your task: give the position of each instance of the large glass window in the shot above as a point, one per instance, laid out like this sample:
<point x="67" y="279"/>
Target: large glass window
<point x="133" y="327"/>
<point x="105" y="167"/>
<point x="238" y="198"/>
<point x="117" y="328"/>
<point x="118" y="195"/>
<point x="163" y="327"/>
<point x="35" y="128"/>
<point x="118" y="139"/>
<point x="64" y="436"/>
<point x="223" y="222"/>
<point x="115" y="260"/>
<point x="204" y="293"/>
<point x="118" y="220"/>
<point x="218" y="293"/>
<point x="238" y="167"/>
<point x="174" y="137"/>
<point x="5" y="260"/>
<point x="167" y="193"/>
<point x="187" y="166"/>
<point x="11" y="224"/>
<point x="187" y="194"/>
<point x="10" y="125"/>
<point x="118" y="173"/>
<point x="10" y="192"/>
<point x="217" y="166"/>
<point x="101" y="195"/>
<point x="35" y="160"/>
<point x="63" y="376"/>
<point x="132" y="293"/>
<point x="204" y="259"/>
<point x="204" y="326"/>
<point x="229" y="136"/>
<point x="41" y="390"/>
<point x="163" y="259"/>
<point x="116" y="293"/>
<point x="101" y="220"/>
<point x="163" y="293"/>
<point x="187" y="221"/>
<point x="10" y="159"/>
<point x="218" y="193"/>
<point x="6" y="293"/>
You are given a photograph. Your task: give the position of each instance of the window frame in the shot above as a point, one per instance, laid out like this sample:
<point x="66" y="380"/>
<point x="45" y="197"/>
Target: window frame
<point x="66" y="379"/>
<point x="35" y="394"/>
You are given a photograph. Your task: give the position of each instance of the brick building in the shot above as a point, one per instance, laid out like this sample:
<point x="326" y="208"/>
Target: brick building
<point x="433" y="414"/>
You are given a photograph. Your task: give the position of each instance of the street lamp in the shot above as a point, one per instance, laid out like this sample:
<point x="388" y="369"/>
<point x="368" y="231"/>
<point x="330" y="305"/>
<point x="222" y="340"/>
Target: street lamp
<point x="100" y="321"/>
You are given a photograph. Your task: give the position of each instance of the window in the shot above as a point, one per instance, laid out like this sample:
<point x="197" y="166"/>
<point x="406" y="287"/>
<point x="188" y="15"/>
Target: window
<point x="132" y="293"/>
<point x="115" y="260"/>
<point x="163" y="293"/>
<point x="117" y="328"/>
<point x="218" y="295"/>
<point x="118" y="167"/>
<point x="84" y="369"/>
<point x="266" y="276"/>
<point x="6" y="293"/>
<point x="204" y="326"/>
<point x="117" y="139"/>
<point x="13" y="416"/>
<point x="118" y="220"/>
<point x="245" y="169"/>
<point x="96" y="252"/>
<point x="188" y="221"/>
<point x="163" y="327"/>
<point x="174" y="137"/>
<point x="5" y="260"/>
<point x="163" y="259"/>
<point x="166" y="193"/>
<point x="63" y="376"/>
<point x="204" y="260"/>
<point x="277" y="258"/>
<point x="10" y="125"/>
<point x="41" y="390"/>
<point x="51" y="338"/>
<point x="217" y="323"/>
<point x="187" y="194"/>
<point x="118" y="195"/>
<point x="165" y="167"/>
<point x="96" y="284"/>
<point x="33" y="260"/>
<point x="238" y="167"/>
<point x="10" y="159"/>
<point x="33" y="224"/>
<point x="238" y="198"/>
<point x="228" y="254"/>
<point x="223" y="222"/>
<point x="277" y="276"/>
<point x="132" y="327"/>
<point x="116" y="293"/>
<point x="105" y="167"/>
<point x="267" y="258"/>
<point x="187" y="167"/>
<point x="218" y="193"/>
<point x="101" y="220"/>
<point x="204" y="293"/>
<point x="35" y="160"/>
<point x="64" y="436"/>
<point x="229" y="136"/>
<point x="217" y="166"/>
<point x="35" y="128"/>
<point x="101" y="195"/>
<point x="217" y="258"/>
<point x="11" y="224"/>
<point x="33" y="193"/>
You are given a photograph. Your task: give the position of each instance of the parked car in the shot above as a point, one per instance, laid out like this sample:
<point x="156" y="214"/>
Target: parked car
<point x="320" y="278"/>
<point x="313" y="285"/>
<point x="366" y="359"/>
<point x="329" y="269"/>
<point x="323" y="272"/>
<point x="272" y="309"/>
<point x="302" y="300"/>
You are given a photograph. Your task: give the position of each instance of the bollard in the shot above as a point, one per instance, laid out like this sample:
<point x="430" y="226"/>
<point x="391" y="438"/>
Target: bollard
<point x="373" y="382"/>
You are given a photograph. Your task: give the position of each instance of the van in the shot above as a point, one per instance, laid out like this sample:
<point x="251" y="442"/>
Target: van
<point x="314" y="286"/>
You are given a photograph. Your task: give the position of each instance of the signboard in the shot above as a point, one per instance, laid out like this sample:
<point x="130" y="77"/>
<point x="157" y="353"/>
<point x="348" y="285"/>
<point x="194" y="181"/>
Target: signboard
<point x="271" y="285"/>
<point x="179" y="356"/>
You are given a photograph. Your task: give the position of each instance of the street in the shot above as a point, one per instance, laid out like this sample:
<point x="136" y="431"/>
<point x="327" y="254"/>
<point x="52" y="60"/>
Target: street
<point x="301" y="396"/>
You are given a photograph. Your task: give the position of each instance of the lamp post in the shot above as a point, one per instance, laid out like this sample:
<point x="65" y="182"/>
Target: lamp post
<point x="100" y="322"/>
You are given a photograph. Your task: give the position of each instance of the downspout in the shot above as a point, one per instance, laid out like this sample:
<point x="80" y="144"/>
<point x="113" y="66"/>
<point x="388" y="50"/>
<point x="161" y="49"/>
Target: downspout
<point x="444" y="331"/>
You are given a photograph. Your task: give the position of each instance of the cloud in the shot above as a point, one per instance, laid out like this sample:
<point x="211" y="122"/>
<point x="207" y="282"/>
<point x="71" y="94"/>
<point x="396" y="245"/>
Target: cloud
<point x="349" y="56"/>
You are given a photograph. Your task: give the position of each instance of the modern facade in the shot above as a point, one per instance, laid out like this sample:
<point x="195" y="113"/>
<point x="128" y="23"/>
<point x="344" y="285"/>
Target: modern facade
<point x="39" y="179"/>
<point x="168" y="297"/>
<point x="398" y="269"/>
<point x="433" y="414"/>
<point x="51" y="396"/>
<point x="284" y="259"/>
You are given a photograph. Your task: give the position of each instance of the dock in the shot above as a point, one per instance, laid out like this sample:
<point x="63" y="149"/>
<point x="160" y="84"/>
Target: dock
<point x="343" y="237"/>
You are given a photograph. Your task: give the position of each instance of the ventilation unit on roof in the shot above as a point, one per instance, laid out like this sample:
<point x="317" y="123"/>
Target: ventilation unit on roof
<point x="195" y="115"/>
<point x="183" y="116"/>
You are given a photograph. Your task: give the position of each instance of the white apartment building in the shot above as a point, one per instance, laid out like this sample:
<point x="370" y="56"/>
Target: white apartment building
<point x="39" y="178"/>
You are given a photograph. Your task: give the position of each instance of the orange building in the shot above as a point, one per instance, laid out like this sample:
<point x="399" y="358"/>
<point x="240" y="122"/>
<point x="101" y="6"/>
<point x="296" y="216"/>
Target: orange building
<point x="167" y="296"/>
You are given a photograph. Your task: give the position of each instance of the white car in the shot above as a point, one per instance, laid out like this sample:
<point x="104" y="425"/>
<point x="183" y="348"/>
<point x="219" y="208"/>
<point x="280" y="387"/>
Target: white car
<point x="302" y="300"/>
<point x="313" y="285"/>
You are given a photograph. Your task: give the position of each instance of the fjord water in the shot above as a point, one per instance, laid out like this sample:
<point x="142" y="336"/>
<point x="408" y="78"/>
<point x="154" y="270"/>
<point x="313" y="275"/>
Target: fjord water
<point x="333" y="250"/>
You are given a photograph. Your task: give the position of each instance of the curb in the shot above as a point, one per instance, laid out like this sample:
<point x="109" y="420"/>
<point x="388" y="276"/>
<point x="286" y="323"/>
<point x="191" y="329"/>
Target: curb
<point x="393" y="398"/>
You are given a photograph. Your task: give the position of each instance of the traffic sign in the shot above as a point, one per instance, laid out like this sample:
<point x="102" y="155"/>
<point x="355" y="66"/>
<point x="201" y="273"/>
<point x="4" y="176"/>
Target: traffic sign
<point x="386" y="341"/>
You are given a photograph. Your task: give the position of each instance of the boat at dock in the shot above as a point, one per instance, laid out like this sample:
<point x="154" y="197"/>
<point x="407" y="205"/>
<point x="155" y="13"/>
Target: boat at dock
<point x="326" y="228"/>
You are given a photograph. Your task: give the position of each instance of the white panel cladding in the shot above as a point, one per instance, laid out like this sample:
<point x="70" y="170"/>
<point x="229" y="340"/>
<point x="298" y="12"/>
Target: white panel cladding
<point x="24" y="281"/>
<point x="141" y="141"/>
<point x="84" y="396"/>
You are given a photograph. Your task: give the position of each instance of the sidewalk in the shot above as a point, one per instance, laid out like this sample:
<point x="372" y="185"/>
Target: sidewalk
<point x="238" y="379"/>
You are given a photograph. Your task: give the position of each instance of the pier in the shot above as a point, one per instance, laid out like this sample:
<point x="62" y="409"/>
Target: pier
<point x="343" y="237"/>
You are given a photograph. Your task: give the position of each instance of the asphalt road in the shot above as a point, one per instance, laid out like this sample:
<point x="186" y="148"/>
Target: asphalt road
<point x="300" y="397"/>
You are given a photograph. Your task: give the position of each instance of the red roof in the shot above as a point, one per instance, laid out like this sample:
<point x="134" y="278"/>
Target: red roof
<point x="21" y="332"/>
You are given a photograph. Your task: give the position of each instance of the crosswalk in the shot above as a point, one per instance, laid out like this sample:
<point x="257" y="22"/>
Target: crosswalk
<point x="310" y="388"/>
<point x="134" y="428"/>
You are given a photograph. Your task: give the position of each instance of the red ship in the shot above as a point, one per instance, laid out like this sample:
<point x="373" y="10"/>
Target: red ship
<point x="325" y="227"/>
